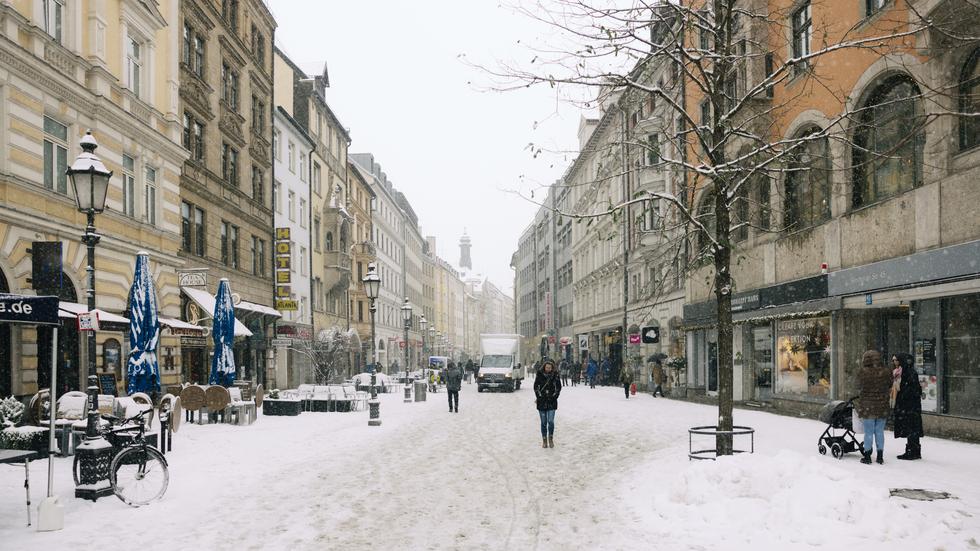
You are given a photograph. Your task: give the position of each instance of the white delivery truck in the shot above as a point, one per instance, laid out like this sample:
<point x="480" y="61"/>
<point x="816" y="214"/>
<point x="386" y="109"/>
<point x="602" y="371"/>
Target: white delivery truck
<point x="499" y="354"/>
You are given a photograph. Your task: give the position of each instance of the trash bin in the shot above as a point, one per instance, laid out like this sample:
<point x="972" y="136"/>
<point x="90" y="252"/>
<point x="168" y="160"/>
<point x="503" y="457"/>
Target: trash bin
<point x="419" y="391"/>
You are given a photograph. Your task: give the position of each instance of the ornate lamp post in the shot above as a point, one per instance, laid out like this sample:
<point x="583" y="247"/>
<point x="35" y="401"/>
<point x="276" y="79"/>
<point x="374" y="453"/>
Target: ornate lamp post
<point x="372" y="285"/>
<point x="423" y="324"/>
<point x="407" y="318"/>
<point x="90" y="182"/>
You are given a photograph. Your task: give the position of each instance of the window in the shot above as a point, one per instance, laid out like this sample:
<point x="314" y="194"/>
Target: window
<point x="770" y="68"/>
<point x="128" y="186"/>
<point x="225" y="242"/>
<point x="316" y="176"/>
<point x="329" y="241"/>
<point x="199" y="231"/>
<point x="302" y="212"/>
<point x="302" y="167"/>
<point x="888" y="140"/>
<point x="277" y="197"/>
<point x="292" y="157"/>
<point x="150" y="196"/>
<point x="54" y="14"/>
<point x="705" y="134"/>
<point x="229" y="12"/>
<point x="193" y="137"/>
<point x="258" y="46"/>
<point x="706" y="216"/>
<point x="302" y="261"/>
<point x="134" y="64"/>
<point x="234" y="247"/>
<point x="258" y="185"/>
<point x="258" y="256"/>
<point x="761" y="193"/>
<point x="185" y="227"/>
<point x="970" y="102"/>
<point x="316" y="233"/>
<point x="808" y="184"/>
<point x="277" y="143"/>
<point x="291" y="205"/>
<point x="740" y="213"/>
<point x="653" y="149"/>
<point x="802" y="32"/>
<point x="55" y="156"/>
<point x="872" y="7"/>
<point x="229" y="86"/>
<point x="258" y="115"/>
<point x="229" y="164"/>
<point x="198" y="65"/>
<point x="187" y="46"/>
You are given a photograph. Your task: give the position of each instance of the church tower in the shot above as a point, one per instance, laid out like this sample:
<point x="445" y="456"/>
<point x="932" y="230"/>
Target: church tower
<point x="465" y="262"/>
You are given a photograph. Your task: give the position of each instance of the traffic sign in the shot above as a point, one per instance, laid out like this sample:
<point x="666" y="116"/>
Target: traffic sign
<point x="651" y="335"/>
<point x="634" y="338"/>
<point x="282" y="342"/>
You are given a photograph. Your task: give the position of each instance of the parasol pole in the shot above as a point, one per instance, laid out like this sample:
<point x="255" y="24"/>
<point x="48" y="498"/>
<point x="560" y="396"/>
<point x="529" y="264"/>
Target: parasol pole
<point x="53" y="410"/>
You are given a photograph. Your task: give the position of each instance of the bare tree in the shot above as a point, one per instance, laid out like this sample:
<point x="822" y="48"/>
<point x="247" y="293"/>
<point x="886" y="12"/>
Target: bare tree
<point x="328" y="355"/>
<point x="707" y="91"/>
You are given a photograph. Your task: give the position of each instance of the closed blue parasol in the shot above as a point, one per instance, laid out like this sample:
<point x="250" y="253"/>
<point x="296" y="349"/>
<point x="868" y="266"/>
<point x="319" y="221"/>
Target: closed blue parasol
<point x="142" y="370"/>
<point x="223" y="333"/>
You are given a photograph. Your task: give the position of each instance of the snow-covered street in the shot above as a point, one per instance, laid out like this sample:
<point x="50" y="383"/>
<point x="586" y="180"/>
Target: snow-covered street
<point x="618" y="478"/>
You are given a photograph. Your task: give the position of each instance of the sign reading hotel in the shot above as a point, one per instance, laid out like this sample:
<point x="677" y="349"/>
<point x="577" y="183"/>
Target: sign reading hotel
<point x="283" y="274"/>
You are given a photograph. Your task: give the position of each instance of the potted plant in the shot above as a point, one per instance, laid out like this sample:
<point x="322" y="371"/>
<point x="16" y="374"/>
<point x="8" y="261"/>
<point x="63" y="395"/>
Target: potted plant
<point x="278" y="403"/>
<point x="16" y="437"/>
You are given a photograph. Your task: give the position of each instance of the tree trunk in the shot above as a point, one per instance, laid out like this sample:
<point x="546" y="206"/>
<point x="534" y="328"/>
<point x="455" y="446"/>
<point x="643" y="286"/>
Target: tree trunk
<point x="723" y="293"/>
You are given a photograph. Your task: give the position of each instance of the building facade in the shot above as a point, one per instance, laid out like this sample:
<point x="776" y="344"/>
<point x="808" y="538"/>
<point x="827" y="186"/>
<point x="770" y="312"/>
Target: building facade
<point x="361" y="202"/>
<point x="110" y="69"/>
<point x="226" y="217"/>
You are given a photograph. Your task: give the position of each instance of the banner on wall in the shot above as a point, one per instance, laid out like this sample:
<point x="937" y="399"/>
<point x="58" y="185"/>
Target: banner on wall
<point x="803" y="356"/>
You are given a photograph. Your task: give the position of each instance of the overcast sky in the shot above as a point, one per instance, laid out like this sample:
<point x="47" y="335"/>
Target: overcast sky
<point x="397" y="82"/>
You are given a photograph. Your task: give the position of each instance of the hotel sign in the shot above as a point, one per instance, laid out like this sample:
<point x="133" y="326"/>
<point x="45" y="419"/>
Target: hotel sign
<point x="284" y="259"/>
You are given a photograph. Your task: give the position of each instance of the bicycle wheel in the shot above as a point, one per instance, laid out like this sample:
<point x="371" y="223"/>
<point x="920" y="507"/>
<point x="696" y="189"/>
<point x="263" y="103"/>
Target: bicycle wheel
<point x="139" y="476"/>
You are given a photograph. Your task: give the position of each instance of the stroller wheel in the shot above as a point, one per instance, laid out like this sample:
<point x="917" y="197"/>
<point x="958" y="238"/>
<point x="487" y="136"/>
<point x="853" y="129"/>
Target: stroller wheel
<point x="837" y="451"/>
<point x="822" y="449"/>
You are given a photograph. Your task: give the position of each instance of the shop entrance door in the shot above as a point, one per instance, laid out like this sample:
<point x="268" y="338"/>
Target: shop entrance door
<point x="761" y="358"/>
<point x="193" y="366"/>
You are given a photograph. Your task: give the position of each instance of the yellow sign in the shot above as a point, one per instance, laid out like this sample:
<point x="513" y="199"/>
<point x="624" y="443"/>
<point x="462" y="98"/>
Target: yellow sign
<point x="282" y="276"/>
<point x="282" y="291"/>
<point x="282" y="262"/>
<point x="283" y="305"/>
<point x="282" y="234"/>
<point x="282" y="247"/>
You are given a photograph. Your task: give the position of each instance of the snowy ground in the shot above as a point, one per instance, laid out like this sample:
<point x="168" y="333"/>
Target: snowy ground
<point x="618" y="478"/>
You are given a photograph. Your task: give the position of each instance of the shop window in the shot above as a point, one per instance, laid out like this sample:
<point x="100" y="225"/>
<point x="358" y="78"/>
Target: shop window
<point x="888" y="142"/>
<point x="808" y="183"/>
<point x="970" y="102"/>
<point x="925" y="332"/>
<point x="961" y="355"/>
<point x="112" y="358"/>
<point x="803" y="357"/>
<point x="55" y="156"/>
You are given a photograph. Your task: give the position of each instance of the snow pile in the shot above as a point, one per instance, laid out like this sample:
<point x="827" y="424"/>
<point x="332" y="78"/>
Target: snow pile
<point x="791" y="501"/>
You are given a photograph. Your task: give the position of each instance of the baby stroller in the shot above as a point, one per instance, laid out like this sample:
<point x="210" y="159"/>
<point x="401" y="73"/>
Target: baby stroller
<point x="837" y="415"/>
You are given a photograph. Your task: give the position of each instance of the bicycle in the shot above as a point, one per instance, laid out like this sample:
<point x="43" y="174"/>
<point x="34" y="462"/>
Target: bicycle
<point x="138" y="473"/>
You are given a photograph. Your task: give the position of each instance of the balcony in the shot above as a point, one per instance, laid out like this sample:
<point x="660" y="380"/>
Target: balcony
<point x="366" y="248"/>
<point x="338" y="260"/>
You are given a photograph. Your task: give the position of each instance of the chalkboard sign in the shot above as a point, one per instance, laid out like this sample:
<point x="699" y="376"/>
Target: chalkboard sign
<point x="107" y="383"/>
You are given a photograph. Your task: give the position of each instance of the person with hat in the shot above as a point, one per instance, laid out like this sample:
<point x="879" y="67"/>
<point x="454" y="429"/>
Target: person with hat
<point x="547" y="388"/>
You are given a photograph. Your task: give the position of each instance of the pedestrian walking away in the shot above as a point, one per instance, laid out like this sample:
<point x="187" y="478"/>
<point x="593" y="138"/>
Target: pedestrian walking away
<point x="563" y="368"/>
<point x="874" y="384"/>
<point x="626" y="379"/>
<point x="592" y="372"/>
<point x="454" y="379"/>
<point x="908" y="406"/>
<point x="547" y="388"/>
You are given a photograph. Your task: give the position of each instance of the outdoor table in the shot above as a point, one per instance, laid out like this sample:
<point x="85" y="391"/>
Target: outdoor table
<point x="25" y="457"/>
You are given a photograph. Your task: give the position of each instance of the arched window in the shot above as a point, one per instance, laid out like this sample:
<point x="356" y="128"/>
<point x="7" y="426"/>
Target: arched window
<point x="329" y="241"/>
<point x="970" y="102"/>
<point x="808" y="182"/>
<point x="887" y="151"/>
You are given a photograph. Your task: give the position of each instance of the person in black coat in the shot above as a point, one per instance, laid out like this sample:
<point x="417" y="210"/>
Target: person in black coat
<point x="547" y="388"/>
<point x="908" y="407"/>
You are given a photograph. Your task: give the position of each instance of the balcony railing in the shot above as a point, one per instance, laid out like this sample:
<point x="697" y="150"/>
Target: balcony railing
<point x="337" y="259"/>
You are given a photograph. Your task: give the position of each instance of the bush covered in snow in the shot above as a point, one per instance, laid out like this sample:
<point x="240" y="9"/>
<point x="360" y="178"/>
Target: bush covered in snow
<point x="11" y="412"/>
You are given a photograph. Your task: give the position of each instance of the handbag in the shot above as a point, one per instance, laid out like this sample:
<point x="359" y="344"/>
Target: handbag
<point x="633" y="389"/>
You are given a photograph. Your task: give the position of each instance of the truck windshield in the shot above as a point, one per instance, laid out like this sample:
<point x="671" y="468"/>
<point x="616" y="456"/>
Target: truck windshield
<point x="496" y="361"/>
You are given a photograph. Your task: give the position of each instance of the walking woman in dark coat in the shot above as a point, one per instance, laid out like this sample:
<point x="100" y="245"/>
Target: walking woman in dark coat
<point x="908" y="407"/>
<point x="547" y="387"/>
<point x="874" y="383"/>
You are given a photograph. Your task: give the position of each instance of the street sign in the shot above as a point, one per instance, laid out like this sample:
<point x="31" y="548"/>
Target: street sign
<point x="583" y="342"/>
<point x="281" y="343"/>
<point x="651" y="335"/>
<point x="88" y="321"/>
<point x="634" y="338"/>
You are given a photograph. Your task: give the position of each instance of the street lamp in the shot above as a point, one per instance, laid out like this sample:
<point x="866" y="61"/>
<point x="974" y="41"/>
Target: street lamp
<point x="90" y="182"/>
<point x="372" y="285"/>
<point x="407" y="318"/>
<point x="423" y="324"/>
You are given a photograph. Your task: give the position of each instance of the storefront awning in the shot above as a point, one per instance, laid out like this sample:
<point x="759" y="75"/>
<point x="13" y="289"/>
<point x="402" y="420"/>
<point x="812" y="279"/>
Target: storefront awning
<point x="206" y="301"/>
<point x="182" y="328"/>
<point x="108" y="320"/>
<point x="258" y="308"/>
